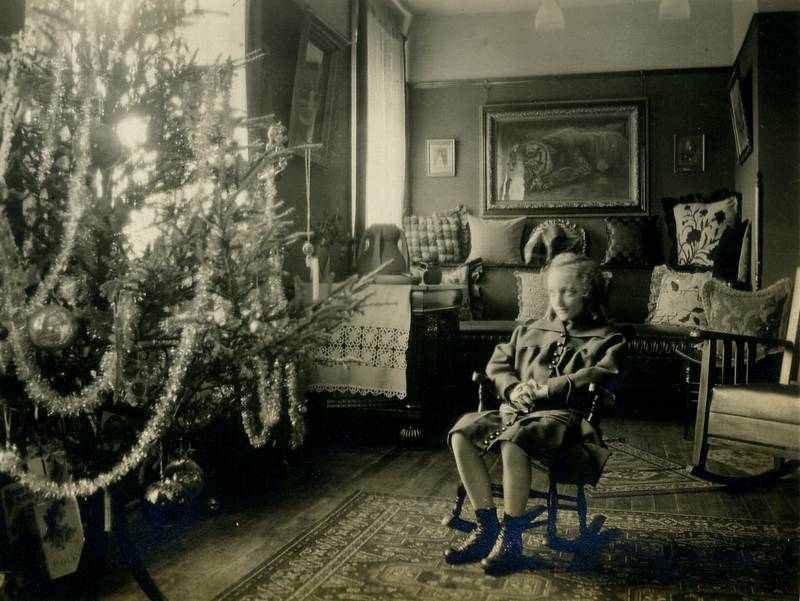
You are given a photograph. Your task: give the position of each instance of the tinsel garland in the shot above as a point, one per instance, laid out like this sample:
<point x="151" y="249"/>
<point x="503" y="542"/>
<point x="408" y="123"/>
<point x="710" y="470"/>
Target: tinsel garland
<point x="268" y="393"/>
<point x="15" y="318"/>
<point x="297" y="408"/>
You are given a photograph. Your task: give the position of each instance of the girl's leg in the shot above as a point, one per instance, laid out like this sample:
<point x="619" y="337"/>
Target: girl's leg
<point x="516" y="478"/>
<point x="473" y="471"/>
<point x="475" y="477"/>
<point x="506" y="555"/>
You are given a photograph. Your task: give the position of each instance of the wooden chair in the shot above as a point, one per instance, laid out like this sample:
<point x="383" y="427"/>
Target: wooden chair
<point x="555" y="501"/>
<point x="732" y="412"/>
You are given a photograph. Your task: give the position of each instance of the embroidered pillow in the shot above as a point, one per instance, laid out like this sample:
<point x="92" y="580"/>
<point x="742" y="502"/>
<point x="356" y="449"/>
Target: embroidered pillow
<point x="675" y="297"/>
<point x="434" y="239"/>
<point x="696" y="225"/>
<point x="629" y="241"/>
<point x="760" y="313"/>
<point x="495" y="240"/>
<point x="532" y="297"/>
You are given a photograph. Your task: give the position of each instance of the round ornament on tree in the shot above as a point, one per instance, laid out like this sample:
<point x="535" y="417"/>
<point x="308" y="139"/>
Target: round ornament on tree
<point x="106" y="149"/>
<point x="188" y="474"/>
<point x="52" y="327"/>
<point x="165" y="502"/>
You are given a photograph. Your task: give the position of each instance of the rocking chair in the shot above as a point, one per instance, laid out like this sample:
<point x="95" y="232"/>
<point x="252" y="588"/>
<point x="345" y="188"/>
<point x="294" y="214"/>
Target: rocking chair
<point x="732" y="412"/>
<point x="554" y="500"/>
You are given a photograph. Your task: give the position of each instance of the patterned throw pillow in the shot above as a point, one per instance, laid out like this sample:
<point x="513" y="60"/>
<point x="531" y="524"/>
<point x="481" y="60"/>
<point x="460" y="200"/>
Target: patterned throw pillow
<point x="496" y="241"/>
<point x="532" y="298"/>
<point x="675" y="298"/>
<point x="760" y="313"/>
<point x="696" y="225"/>
<point x="434" y="239"/>
<point x="629" y="241"/>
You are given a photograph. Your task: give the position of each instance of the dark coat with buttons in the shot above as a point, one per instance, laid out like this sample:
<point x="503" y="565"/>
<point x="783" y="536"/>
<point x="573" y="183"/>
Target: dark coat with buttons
<point x="567" y="358"/>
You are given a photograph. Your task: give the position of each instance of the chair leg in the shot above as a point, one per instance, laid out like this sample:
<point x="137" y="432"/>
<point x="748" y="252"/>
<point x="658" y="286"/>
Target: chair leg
<point x="552" y="510"/>
<point x="454" y="520"/>
<point x="580" y="504"/>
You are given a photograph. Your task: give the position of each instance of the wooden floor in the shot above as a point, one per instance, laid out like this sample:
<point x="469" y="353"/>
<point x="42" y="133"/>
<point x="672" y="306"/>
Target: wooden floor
<point x="196" y="561"/>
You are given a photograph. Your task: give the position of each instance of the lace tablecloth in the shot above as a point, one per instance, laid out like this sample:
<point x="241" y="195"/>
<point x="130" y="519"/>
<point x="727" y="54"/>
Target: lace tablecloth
<point x="374" y="342"/>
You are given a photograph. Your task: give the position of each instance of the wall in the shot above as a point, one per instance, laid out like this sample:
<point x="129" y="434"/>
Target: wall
<point x="743" y="11"/>
<point x="768" y="64"/>
<point x="617" y="37"/>
<point x="682" y="101"/>
<point x="275" y="27"/>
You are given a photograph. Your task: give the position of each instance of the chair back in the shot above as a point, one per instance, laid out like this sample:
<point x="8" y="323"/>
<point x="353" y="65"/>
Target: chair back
<point x="791" y="354"/>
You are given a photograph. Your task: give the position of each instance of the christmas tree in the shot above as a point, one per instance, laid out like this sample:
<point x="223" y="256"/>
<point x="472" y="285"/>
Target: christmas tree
<point x="140" y="252"/>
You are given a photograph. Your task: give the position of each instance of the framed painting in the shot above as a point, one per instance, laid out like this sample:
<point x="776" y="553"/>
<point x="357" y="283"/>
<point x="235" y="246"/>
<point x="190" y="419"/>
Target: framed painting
<point x="441" y="158"/>
<point x="739" y="117"/>
<point x="314" y="91"/>
<point x="565" y="158"/>
<point x="689" y="152"/>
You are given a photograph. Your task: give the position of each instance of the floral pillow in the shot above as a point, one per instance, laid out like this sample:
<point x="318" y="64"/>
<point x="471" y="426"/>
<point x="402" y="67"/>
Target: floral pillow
<point x="760" y="313"/>
<point x="696" y="226"/>
<point x="675" y="298"/>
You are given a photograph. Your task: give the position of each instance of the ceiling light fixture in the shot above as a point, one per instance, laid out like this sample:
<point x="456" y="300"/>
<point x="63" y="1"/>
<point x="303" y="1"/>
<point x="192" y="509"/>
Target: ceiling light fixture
<point x="549" y="17"/>
<point x="674" y="10"/>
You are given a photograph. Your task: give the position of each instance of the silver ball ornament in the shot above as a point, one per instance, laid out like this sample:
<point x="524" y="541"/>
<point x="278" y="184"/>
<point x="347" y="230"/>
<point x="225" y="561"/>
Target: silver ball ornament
<point x="308" y="248"/>
<point x="187" y="473"/>
<point x="165" y="502"/>
<point x="52" y="327"/>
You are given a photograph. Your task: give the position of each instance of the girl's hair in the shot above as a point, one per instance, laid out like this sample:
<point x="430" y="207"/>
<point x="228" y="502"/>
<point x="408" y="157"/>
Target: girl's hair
<point x="589" y="280"/>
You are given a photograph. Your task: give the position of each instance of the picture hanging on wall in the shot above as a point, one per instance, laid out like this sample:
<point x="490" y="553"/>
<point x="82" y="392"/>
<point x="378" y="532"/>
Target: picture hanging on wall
<point x="739" y="116"/>
<point x="313" y="95"/>
<point x="441" y="155"/>
<point x="564" y="158"/>
<point x="689" y="152"/>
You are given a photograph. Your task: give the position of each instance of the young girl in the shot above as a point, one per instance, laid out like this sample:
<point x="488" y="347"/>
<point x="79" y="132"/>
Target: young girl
<point x="542" y="376"/>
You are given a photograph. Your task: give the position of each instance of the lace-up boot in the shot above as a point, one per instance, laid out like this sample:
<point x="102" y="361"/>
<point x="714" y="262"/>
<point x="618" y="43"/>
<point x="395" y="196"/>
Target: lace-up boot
<point x="506" y="555"/>
<point x="479" y="542"/>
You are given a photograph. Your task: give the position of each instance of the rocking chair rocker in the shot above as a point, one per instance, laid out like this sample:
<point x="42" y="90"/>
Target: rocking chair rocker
<point x="732" y="412"/>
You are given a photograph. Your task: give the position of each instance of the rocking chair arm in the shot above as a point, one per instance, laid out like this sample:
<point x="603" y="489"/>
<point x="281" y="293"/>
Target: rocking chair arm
<point x="705" y="334"/>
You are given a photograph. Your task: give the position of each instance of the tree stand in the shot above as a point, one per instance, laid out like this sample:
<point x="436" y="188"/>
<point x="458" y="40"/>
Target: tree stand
<point x="104" y="517"/>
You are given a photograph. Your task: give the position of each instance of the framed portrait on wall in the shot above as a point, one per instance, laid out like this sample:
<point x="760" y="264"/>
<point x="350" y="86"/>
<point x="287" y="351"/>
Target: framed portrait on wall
<point x="689" y="153"/>
<point x="314" y="91"/>
<point x="564" y="158"/>
<point x="441" y="157"/>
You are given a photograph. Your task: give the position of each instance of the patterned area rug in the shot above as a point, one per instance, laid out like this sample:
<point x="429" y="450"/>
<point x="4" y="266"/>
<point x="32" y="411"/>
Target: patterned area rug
<point x="632" y="471"/>
<point x="389" y="547"/>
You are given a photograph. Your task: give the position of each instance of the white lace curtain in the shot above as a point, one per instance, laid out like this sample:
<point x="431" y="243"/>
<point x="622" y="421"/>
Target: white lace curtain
<point x="386" y="120"/>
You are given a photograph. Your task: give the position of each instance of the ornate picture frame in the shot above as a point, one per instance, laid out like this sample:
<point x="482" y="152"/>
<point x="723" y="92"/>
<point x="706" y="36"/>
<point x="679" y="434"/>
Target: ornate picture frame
<point x="564" y="158"/>
<point x="314" y="91"/>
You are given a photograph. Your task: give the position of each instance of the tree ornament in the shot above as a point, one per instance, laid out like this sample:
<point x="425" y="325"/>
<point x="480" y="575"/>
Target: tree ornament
<point x="105" y="146"/>
<point x="188" y="474"/>
<point x="52" y="327"/>
<point x="165" y="502"/>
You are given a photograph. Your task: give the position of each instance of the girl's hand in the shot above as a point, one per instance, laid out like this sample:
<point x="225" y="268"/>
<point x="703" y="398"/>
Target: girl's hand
<point x="522" y="396"/>
<point x="538" y="391"/>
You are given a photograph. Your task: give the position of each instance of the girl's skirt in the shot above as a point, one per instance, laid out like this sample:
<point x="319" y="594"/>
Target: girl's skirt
<point x="562" y="440"/>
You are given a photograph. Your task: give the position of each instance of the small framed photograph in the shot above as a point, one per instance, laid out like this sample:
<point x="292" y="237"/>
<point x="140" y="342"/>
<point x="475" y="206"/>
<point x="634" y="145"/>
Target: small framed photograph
<point x="690" y="152"/>
<point x="441" y="158"/>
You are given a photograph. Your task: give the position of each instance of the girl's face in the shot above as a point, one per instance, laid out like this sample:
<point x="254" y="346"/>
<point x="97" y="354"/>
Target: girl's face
<point x="565" y="297"/>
